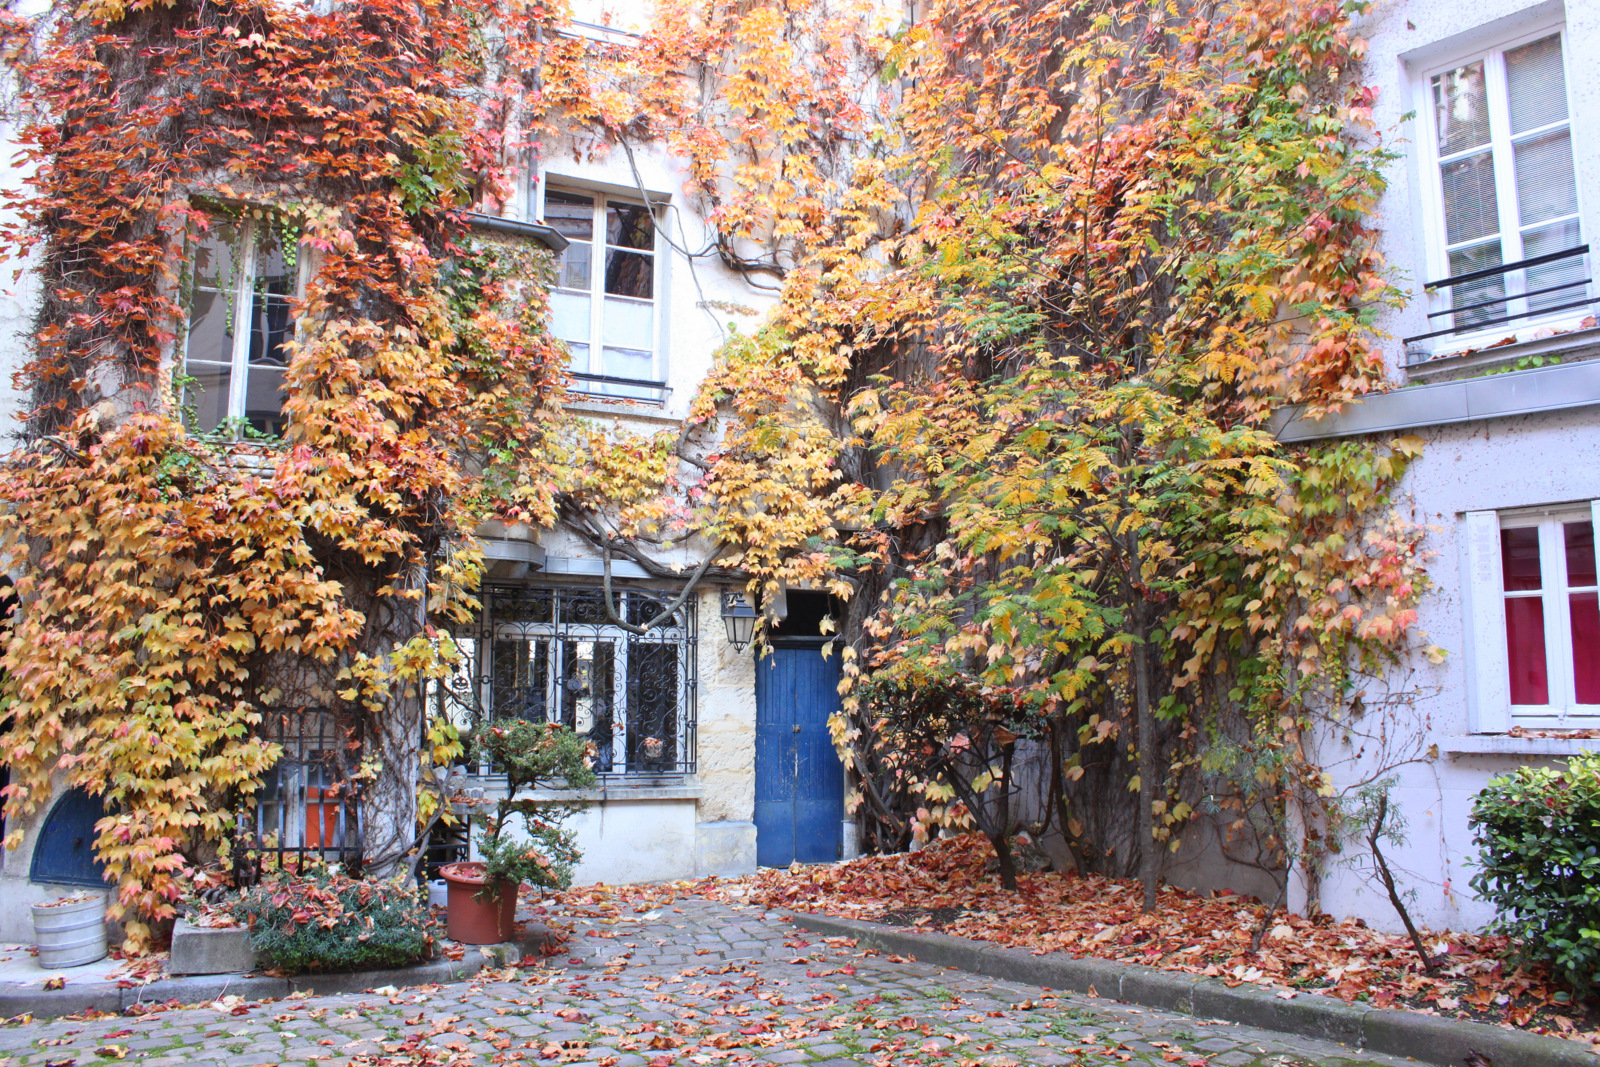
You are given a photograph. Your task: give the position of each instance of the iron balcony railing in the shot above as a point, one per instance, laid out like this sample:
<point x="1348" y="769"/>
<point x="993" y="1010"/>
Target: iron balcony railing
<point x="609" y="387"/>
<point x="1482" y="299"/>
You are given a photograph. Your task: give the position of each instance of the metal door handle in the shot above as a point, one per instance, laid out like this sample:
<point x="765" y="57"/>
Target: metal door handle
<point x="797" y="729"/>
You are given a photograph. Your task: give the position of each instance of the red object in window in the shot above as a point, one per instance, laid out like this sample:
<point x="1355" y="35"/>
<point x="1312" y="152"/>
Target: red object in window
<point x="1519" y="558"/>
<point x="322" y="817"/>
<point x="1525" y="647"/>
<point x="1580" y="552"/>
<point x="1585" y="609"/>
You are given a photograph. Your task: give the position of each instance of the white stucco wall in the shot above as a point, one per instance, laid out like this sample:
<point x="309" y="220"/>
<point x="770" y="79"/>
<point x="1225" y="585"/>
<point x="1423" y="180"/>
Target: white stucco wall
<point x="1489" y="464"/>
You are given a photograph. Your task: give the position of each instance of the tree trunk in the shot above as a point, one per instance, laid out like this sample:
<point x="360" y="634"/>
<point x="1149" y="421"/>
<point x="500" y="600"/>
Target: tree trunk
<point x="389" y="805"/>
<point x="1150" y="785"/>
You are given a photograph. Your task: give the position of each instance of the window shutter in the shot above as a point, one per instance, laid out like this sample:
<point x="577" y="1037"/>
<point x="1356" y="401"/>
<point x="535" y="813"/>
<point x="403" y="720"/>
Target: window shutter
<point x="1484" y="625"/>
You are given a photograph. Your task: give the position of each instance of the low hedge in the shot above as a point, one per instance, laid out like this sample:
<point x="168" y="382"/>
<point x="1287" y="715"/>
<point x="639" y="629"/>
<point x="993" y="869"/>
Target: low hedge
<point x="331" y="922"/>
<point x="1538" y="834"/>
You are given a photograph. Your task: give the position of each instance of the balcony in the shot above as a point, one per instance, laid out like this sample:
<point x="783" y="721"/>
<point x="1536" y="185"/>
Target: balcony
<point x="1541" y="287"/>
<point x="605" y="387"/>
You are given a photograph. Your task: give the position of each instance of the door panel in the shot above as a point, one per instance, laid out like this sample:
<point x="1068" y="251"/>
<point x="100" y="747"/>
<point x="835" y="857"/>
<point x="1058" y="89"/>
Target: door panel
<point x="799" y="778"/>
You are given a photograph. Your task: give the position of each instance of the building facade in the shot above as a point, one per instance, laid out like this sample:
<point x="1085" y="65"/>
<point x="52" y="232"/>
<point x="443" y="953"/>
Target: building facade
<point x="676" y="714"/>
<point x="1489" y="222"/>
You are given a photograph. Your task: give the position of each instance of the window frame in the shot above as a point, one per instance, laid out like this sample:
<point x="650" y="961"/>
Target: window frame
<point x="556" y="620"/>
<point x="243" y="297"/>
<point x="596" y="293"/>
<point x="1489" y="705"/>
<point x="1436" y="248"/>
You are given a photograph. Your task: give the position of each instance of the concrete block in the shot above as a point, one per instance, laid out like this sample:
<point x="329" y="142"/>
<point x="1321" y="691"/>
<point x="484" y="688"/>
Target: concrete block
<point x="1158" y="989"/>
<point x="725" y="848"/>
<point x="210" y="950"/>
<point x="1306" y="1014"/>
<point x="1436" y="1040"/>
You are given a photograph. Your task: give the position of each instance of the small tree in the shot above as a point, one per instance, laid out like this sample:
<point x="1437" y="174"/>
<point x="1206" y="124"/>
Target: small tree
<point x="533" y="755"/>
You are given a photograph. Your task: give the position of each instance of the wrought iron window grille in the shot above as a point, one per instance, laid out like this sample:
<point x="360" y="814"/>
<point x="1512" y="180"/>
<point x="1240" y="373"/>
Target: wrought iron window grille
<point x="308" y="810"/>
<point x="549" y="654"/>
<point x="610" y="387"/>
<point x="1472" y="297"/>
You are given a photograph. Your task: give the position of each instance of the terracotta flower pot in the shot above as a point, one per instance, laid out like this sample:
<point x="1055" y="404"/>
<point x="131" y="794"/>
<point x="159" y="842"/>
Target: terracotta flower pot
<point x="472" y="921"/>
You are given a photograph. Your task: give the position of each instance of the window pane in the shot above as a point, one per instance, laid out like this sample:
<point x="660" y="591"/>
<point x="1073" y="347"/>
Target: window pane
<point x="630" y="274"/>
<point x="652" y="706"/>
<point x="1466" y="261"/>
<point x="578" y="359"/>
<point x="1461" y="108"/>
<point x="207" y="394"/>
<point x="570" y="214"/>
<point x="628" y="324"/>
<point x="1536" y="84"/>
<point x="630" y="226"/>
<point x="1546" y="187"/>
<point x="263" y="399"/>
<point x="1471" y="209"/>
<point x="569" y="317"/>
<point x="1556" y="237"/>
<point x="576" y="263"/>
<point x="210" y="331"/>
<point x="587" y="686"/>
<point x="1580" y="553"/>
<point x="519" y="678"/>
<point x="213" y="256"/>
<point x="1519" y="558"/>
<point x="269" y="331"/>
<point x="622" y="363"/>
<point x="1525" y="650"/>
<point x="1586" y="647"/>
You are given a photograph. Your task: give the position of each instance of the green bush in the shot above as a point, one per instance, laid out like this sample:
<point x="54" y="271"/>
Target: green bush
<point x="330" y="922"/>
<point x="1538" y="833"/>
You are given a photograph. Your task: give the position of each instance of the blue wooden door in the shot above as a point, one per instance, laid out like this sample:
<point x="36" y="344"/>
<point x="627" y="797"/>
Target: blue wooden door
<point x="799" y="778"/>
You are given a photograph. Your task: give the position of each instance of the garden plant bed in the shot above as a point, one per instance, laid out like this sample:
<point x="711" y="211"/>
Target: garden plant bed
<point x="949" y="888"/>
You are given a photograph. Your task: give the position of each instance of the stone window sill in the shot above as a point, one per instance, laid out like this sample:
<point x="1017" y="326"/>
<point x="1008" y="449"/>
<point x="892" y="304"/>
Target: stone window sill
<point x="1577" y="345"/>
<point x="606" y="792"/>
<point x="1505" y="745"/>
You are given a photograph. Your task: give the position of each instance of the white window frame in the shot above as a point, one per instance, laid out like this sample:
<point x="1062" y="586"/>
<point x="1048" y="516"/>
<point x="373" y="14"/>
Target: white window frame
<point x="597" y="273"/>
<point x="1435" y="246"/>
<point x="244" y="283"/>
<point x="1488" y="670"/>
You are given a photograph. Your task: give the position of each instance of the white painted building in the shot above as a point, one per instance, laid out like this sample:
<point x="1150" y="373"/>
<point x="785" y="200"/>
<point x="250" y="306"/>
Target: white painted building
<point x="1489" y="222"/>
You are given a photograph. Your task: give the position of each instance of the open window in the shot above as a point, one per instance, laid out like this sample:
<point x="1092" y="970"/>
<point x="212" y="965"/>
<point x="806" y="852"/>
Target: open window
<point x="235" y="354"/>
<point x="605" y="305"/>
<point x="1505" y="245"/>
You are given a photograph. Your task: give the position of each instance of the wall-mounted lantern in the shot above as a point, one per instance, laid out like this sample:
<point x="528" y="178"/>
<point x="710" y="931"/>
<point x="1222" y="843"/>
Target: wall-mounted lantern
<point x="740" y="619"/>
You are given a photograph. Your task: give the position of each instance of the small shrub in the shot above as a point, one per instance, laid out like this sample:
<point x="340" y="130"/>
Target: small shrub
<point x="533" y="755"/>
<point x="1538" y="833"/>
<point x="330" y="922"/>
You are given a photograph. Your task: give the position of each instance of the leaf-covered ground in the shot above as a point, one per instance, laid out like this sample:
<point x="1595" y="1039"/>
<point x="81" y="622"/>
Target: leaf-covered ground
<point x="950" y="886"/>
<point x="660" y="978"/>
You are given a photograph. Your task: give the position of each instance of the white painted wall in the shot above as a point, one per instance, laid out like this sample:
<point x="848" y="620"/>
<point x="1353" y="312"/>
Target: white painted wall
<point x="1490" y="464"/>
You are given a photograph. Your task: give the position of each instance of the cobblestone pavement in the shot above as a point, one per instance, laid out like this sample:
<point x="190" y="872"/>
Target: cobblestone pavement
<point x="687" y="983"/>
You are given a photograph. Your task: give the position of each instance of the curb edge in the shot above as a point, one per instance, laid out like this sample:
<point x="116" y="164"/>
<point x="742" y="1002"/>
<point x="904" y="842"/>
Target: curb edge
<point x="1428" y="1038"/>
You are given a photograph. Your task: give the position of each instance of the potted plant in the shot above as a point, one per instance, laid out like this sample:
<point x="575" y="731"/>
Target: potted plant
<point x="536" y="850"/>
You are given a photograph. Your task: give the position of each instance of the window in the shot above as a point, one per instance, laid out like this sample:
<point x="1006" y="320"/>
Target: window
<point x="1534" y="626"/>
<point x="234" y="355"/>
<point x="604" y="303"/>
<point x="1499" y="169"/>
<point x="552" y="655"/>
